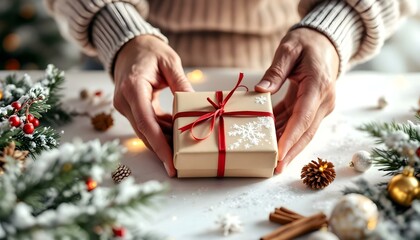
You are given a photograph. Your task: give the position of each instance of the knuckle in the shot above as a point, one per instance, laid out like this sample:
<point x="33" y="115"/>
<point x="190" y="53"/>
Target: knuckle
<point x="288" y="48"/>
<point x="276" y="72"/>
<point x="306" y="119"/>
<point x="324" y="83"/>
<point x="178" y="78"/>
<point x="174" y="58"/>
<point x="307" y="137"/>
<point x="325" y="88"/>
<point x="141" y="126"/>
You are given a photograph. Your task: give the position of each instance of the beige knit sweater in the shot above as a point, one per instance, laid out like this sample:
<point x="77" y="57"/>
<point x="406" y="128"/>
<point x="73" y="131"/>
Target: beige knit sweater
<point x="228" y="33"/>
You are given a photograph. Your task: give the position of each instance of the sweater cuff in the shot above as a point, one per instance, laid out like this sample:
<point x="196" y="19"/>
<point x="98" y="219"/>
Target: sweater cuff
<point x="340" y="23"/>
<point x="116" y="24"/>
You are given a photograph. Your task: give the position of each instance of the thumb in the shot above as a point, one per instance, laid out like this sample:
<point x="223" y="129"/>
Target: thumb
<point x="175" y="77"/>
<point x="283" y="63"/>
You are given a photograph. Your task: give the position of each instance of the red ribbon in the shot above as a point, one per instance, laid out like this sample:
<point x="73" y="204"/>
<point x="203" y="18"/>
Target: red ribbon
<point x="218" y="113"/>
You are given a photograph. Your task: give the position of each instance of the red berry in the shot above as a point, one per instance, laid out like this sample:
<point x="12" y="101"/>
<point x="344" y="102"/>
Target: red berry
<point x="28" y="128"/>
<point x="14" y="121"/>
<point x="35" y="122"/>
<point x="418" y="152"/>
<point x="16" y="105"/>
<point x="30" y="118"/>
<point x="91" y="184"/>
<point x="118" y="231"/>
<point x="98" y="93"/>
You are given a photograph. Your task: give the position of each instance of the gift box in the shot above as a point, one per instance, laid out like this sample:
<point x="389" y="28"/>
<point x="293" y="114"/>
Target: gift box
<point x="224" y="134"/>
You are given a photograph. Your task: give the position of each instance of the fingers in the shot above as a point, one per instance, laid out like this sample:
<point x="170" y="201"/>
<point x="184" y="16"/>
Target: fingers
<point x="174" y="75"/>
<point x="145" y="122"/>
<point x="302" y="142"/>
<point x="304" y="112"/>
<point x="164" y="125"/>
<point x="127" y="113"/>
<point x="284" y="61"/>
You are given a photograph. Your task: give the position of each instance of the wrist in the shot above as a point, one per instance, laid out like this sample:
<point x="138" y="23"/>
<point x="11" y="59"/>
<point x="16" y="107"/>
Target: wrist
<point x="323" y="41"/>
<point x="116" y="24"/>
<point x="340" y="23"/>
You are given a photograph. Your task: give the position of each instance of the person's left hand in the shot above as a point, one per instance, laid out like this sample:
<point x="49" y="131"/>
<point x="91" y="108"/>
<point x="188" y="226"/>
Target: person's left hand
<point x="310" y="61"/>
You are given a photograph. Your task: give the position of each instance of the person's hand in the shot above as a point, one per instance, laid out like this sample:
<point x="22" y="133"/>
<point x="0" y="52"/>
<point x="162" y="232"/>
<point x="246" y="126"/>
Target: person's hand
<point x="310" y="61"/>
<point x="144" y="66"/>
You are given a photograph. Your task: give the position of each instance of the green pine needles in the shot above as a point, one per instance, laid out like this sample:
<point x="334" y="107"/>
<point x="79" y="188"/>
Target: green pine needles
<point x="50" y="199"/>
<point x="14" y="88"/>
<point x="400" y="145"/>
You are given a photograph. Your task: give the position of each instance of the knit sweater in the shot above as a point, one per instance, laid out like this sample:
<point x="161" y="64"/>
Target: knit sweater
<point x="228" y="33"/>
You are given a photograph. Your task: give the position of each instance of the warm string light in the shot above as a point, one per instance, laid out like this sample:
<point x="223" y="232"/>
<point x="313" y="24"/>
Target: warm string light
<point x="11" y="42"/>
<point x="134" y="145"/>
<point x="196" y="76"/>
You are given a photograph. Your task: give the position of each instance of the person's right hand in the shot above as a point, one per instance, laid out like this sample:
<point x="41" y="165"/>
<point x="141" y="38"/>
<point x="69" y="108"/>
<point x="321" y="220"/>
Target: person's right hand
<point x="143" y="67"/>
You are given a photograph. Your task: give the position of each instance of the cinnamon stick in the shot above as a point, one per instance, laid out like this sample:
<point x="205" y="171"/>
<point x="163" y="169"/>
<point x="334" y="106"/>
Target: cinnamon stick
<point x="279" y="218"/>
<point x="288" y="211"/>
<point x="297" y="228"/>
<point x="283" y="216"/>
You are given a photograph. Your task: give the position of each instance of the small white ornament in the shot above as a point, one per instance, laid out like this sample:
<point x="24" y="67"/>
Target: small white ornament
<point x="361" y="161"/>
<point x="354" y="217"/>
<point x="229" y="224"/>
<point x="382" y="103"/>
<point x="323" y="235"/>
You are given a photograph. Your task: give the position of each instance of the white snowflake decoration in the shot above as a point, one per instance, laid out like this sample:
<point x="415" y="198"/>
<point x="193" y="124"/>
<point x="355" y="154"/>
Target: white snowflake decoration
<point x="229" y="224"/>
<point x="261" y="99"/>
<point x="251" y="133"/>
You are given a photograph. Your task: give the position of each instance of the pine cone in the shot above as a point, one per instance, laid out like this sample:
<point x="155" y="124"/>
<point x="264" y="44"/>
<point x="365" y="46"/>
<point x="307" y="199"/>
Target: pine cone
<point x="318" y="175"/>
<point x="102" y="121"/>
<point x="122" y="172"/>
<point x="10" y="151"/>
<point x="84" y="94"/>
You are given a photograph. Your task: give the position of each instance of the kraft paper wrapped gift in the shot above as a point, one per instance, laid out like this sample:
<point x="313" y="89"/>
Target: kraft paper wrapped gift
<point x="243" y="126"/>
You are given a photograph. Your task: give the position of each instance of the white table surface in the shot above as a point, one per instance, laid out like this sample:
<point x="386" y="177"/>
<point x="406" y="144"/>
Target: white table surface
<point x="193" y="205"/>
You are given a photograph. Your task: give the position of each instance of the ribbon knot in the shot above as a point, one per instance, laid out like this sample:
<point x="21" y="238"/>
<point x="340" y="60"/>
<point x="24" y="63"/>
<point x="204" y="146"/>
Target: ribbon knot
<point x="213" y="116"/>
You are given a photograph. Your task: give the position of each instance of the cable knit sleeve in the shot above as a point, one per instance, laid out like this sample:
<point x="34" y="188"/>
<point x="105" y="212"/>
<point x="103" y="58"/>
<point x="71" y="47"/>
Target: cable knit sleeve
<point x="357" y="28"/>
<point x="101" y="27"/>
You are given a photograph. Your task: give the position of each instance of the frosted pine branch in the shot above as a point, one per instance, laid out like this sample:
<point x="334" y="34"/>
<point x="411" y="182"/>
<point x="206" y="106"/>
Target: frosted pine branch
<point x="42" y="99"/>
<point x="50" y="200"/>
<point x="400" y="143"/>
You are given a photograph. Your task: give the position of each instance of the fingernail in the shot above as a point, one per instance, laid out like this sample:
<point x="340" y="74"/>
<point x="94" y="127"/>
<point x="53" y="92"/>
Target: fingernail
<point x="264" y="84"/>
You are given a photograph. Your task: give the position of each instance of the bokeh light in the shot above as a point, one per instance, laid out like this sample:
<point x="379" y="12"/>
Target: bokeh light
<point x="11" y="42"/>
<point x="134" y="145"/>
<point x="196" y="76"/>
